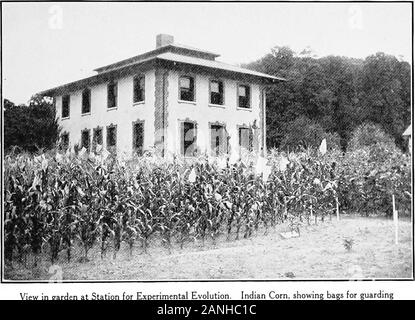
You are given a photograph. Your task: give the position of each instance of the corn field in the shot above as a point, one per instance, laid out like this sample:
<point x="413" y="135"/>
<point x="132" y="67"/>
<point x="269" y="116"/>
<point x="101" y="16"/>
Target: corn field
<point x="57" y="204"/>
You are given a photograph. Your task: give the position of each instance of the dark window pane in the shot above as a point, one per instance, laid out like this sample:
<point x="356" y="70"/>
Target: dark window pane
<point x="218" y="139"/>
<point x="217" y="146"/>
<point x="139" y="86"/>
<point x="186" y="88"/>
<point x="86" y="101"/>
<point x="112" y="95"/>
<point x="138" y="137"/>
<point x="85" y="139"/>
<point x="97" y="138"/>
<point x="66" y="106"/>
<point x="64" y="141"/>
<point x="111" y="137"/>
<point x="244" y="96"/>
<point x="246" y="139"/>
<point x="216" y="92"/>
<point x="189" y="138"/>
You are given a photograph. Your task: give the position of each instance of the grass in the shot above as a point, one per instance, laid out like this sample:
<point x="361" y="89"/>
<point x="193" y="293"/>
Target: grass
<point x="319" y="253"/>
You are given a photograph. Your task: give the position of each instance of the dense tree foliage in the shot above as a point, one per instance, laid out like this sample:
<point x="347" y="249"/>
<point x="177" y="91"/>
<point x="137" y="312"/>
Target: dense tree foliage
<point x="336" y="93"/>
<point x="31" y="127"/>
<point x="369" y="135"/>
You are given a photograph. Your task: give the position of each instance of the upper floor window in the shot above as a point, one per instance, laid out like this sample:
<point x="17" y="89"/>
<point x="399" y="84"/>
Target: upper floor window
<point x="187" y="88"/>
<point x="216" y="92"/>
<point x="66" y="100"/>
<point x="86" y="101"/>
<point x="244" y="96"/>
<point x="112" y="91"/>
<point x="139" y="89"/>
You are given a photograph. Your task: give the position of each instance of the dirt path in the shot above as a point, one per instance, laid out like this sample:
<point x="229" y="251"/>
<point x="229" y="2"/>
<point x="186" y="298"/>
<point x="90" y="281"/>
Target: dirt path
<point x="319" y="253"/>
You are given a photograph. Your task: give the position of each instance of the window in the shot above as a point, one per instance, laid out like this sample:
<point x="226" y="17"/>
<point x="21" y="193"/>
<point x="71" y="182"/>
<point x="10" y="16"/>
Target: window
<point x="138" y="137"/>
<point x="85" y="139"/>
<point x="66" y="100"/>
<point x="86" y="101"/>
<point x="112" y="95"/>
<point x="139" y="89"/>
<point x="244" y="96"/>
<point x="216" y="92"/>
<point x="112" y="137"/>
<point x="97" y="137"/>
<point x="245" y="139"/>
<point x="218" y="139"/>
<point x="64" y="143"/>
<point x="188" y="138"/>
<point x="186" y="88"/>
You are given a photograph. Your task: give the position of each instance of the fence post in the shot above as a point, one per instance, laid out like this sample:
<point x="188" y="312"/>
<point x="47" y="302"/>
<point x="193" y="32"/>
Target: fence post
<point x="395" y="219"/>
<point x="337" y="209"/>
<point x="285" y="209"/>
<point x="311" y="212"/>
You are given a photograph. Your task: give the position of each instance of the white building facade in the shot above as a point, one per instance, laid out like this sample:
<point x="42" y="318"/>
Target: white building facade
<point x="174" y="99"/>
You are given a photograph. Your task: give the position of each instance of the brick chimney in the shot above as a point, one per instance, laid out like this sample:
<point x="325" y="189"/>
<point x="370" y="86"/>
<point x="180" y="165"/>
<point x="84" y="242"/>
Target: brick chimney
<point x="163" y="40"/>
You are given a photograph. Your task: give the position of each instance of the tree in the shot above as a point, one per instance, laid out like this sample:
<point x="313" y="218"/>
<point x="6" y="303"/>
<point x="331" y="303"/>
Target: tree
<point x="337" y="93"/>
<point x="385" y="94"/>
<point x="302" y="133"/>
<point x="31" y="128"/>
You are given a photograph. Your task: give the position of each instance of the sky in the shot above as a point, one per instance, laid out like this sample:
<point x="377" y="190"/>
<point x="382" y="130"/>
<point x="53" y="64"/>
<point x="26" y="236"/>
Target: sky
<point x="48" y="44"/>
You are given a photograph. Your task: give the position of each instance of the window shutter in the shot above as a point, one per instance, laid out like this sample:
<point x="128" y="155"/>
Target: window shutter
<point x="222" y="139"/>
<point x="212" y="139"/>
<point x="143" y="88"/>
<point x="255" y="139"/>
<point x="244" y="138"/>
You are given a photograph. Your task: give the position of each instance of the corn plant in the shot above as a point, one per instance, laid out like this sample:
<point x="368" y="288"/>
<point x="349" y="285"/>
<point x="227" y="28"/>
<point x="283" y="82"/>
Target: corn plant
<point x="56" y="203"/>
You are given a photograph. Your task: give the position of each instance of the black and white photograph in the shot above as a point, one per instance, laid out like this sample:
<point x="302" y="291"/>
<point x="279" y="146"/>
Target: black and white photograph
<point x="209" y="141"/>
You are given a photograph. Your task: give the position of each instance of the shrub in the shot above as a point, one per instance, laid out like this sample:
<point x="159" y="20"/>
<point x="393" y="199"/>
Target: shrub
<point x="368" y="135"/>
<point x="304" y="133"/>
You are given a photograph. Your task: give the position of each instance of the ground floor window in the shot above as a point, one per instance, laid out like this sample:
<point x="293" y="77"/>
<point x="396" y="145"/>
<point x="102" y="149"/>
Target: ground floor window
<point x="112" y="138"/>
<point x="97" y="137"/>
<point x="218" y="140"/>
<point x="64" y="143"/>
<point x="138" y="137"/>
<point x="85" y="139"/>
<point x="188" y="138"/>
<point x="245" y="139"/>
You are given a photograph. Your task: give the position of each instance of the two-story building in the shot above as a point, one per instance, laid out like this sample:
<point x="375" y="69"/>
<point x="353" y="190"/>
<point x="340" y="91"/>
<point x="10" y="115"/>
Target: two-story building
<point x="178" y="99"/>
